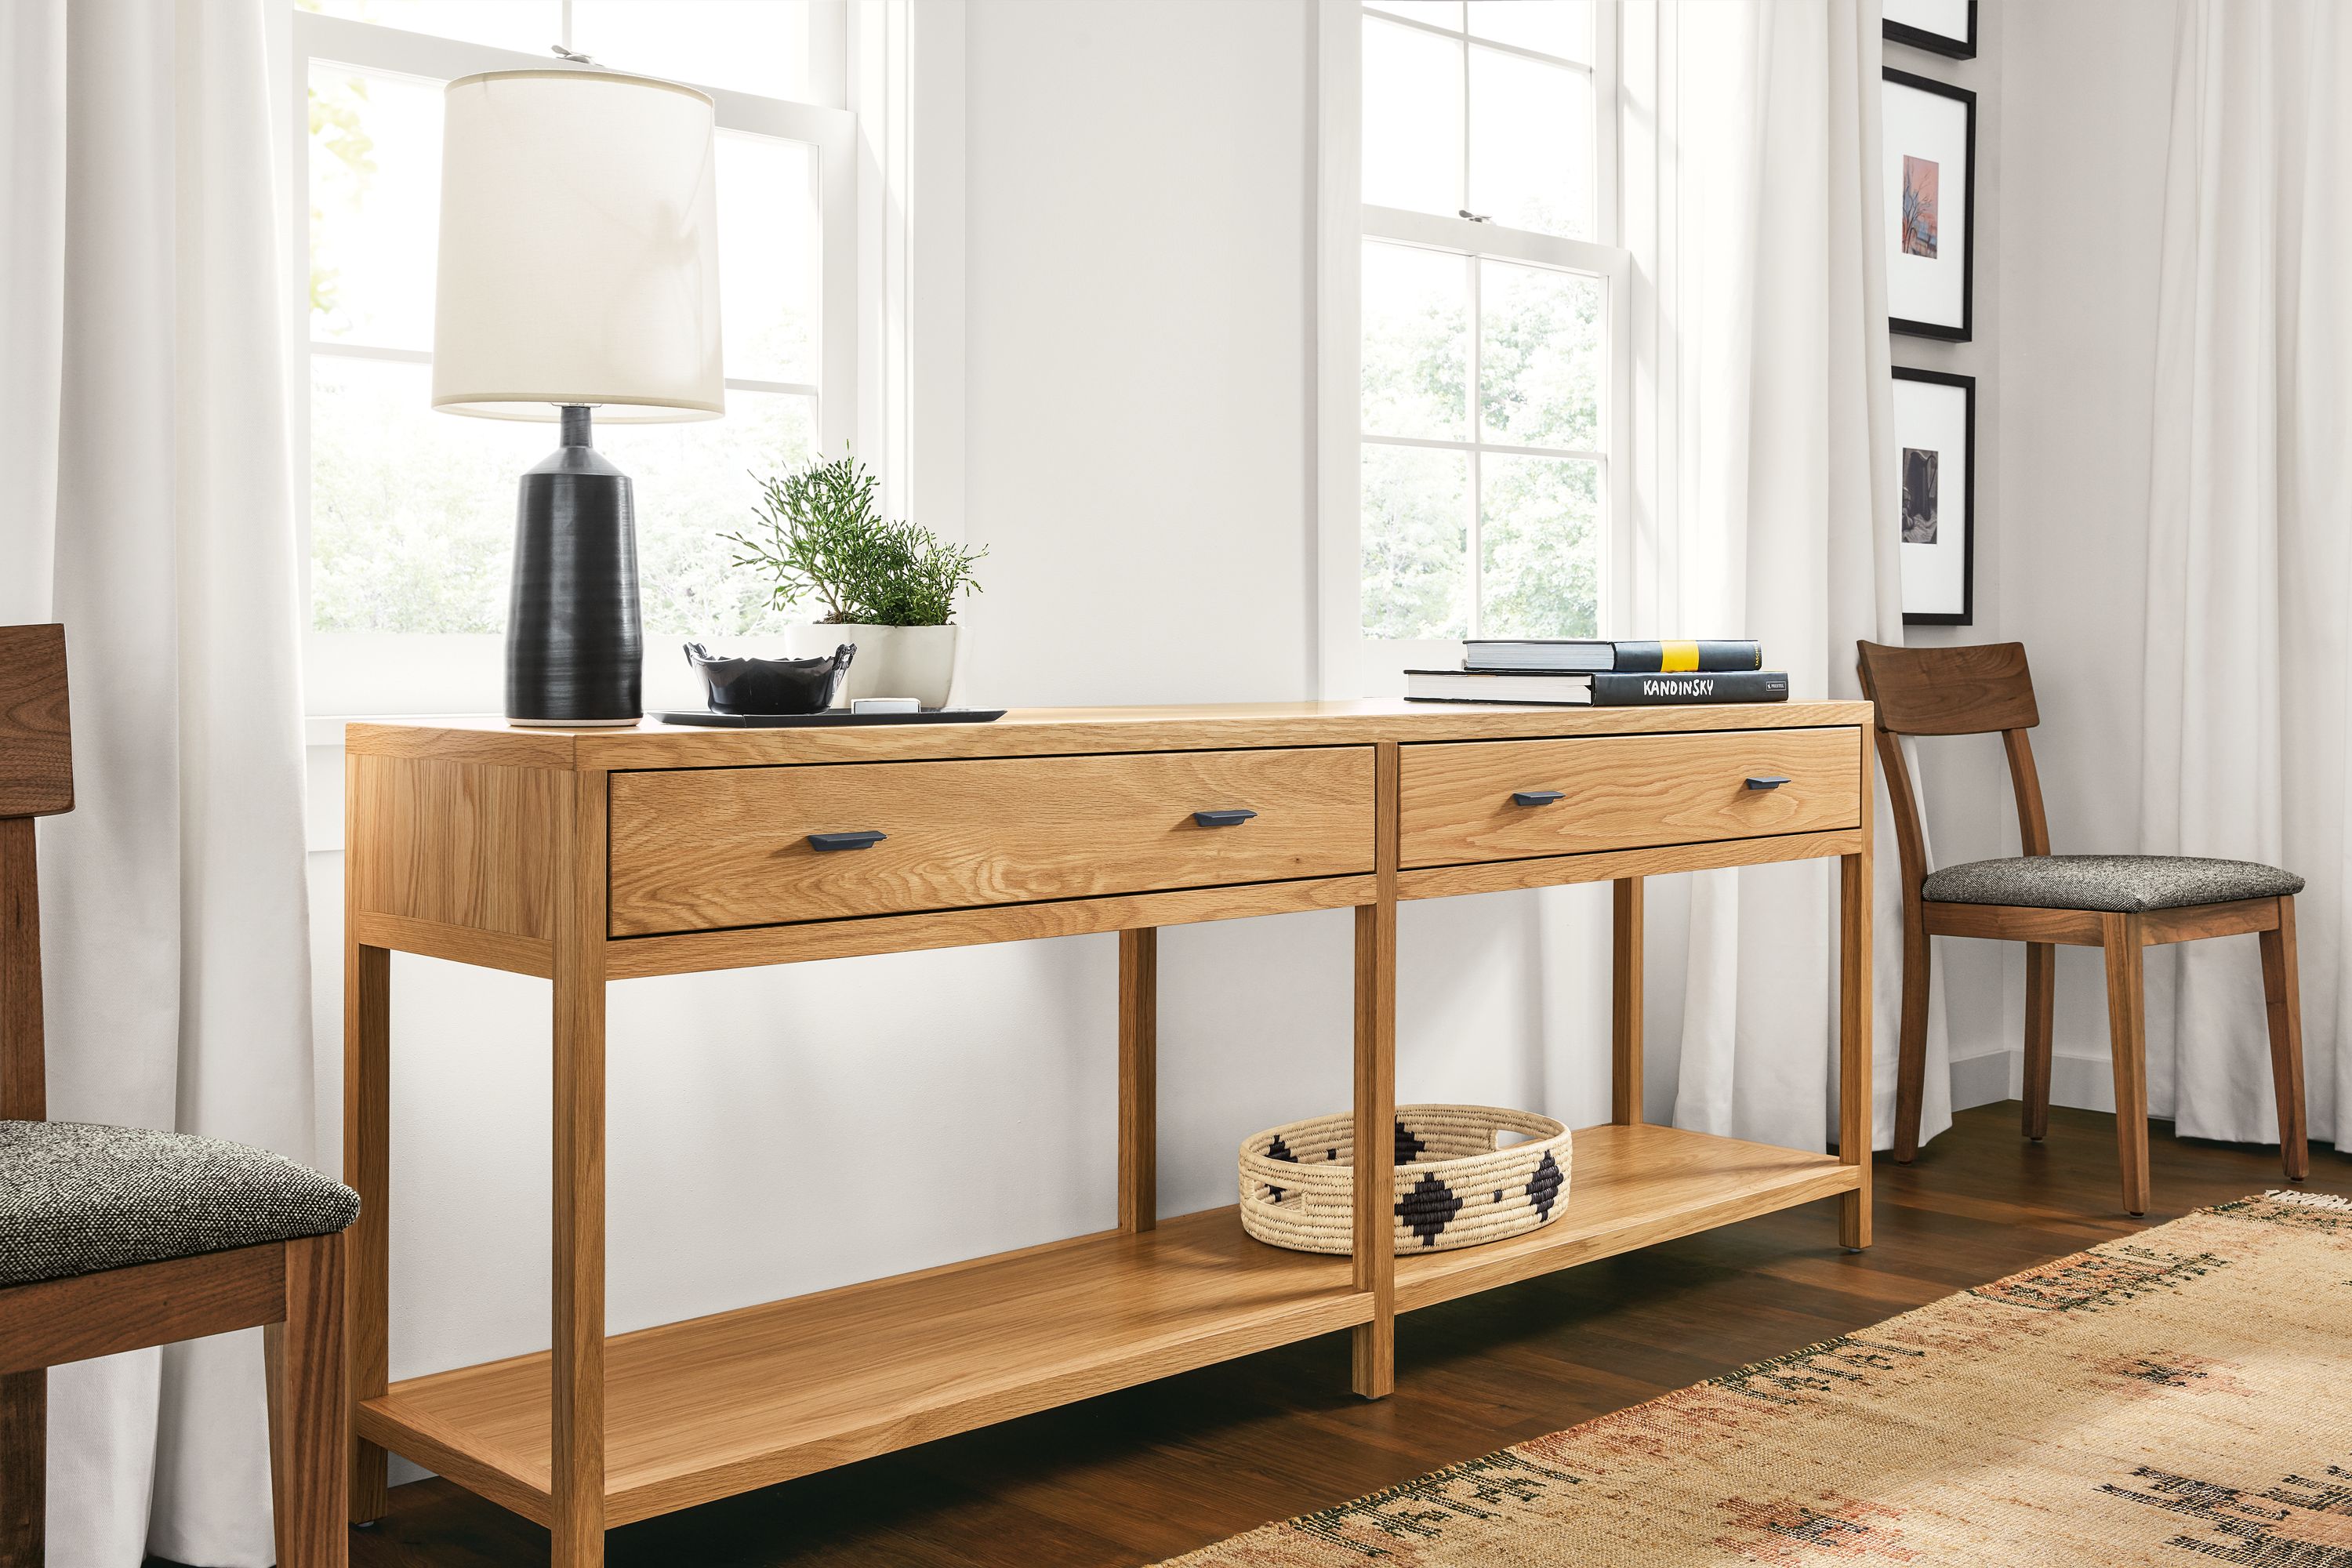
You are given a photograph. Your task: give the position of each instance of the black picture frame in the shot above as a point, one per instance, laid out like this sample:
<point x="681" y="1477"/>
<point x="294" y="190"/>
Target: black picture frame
<point x="1966" y="615"/>
<point x="1935" y="43"/>
<point x="1966" y="331"/>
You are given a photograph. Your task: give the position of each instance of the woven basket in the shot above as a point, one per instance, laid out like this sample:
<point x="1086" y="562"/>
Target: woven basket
<point x="1453" y="1187"/>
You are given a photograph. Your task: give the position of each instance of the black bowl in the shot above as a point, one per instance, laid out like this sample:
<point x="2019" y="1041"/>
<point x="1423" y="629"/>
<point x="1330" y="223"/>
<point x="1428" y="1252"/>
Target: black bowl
<point x="771" y="685"/>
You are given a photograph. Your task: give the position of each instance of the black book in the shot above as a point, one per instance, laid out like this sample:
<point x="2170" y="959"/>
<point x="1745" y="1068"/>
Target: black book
<point x="1511" y="655"/>
<point x="1619" y="689"/>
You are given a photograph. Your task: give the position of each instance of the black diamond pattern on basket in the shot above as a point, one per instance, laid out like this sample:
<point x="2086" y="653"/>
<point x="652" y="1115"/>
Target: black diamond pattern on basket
<point x="1409" y="1144"/>
<point x="1278" y="1150"/>
<point x="1429" y="1208"/>
<point x="1544" y="1186"/>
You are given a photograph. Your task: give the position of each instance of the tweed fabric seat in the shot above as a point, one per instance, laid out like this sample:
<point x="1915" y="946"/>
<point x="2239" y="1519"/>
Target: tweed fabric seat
<point x="76" y="1198"/>
<point x="2122" y="884"/>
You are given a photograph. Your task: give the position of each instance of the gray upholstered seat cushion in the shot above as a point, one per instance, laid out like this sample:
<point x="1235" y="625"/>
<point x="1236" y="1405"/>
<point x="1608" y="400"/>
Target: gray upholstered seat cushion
<point x="76" y="1198"/>
<point x="2125" y="884"/>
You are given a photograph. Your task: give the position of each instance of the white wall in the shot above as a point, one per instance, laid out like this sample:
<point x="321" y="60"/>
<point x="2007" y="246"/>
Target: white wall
<point x="1962" y="779"/>
<point x="2074" y="110"/>
<point x="1138" y="422"/>
<point x="2087" y="101"/>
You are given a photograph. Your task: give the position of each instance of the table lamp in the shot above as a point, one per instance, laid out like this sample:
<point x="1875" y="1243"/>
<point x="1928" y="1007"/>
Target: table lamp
<point x="579" y="269"/>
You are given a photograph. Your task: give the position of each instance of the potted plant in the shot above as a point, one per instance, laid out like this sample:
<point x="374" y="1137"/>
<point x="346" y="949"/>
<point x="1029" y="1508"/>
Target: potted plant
<point x="888" y="587"/>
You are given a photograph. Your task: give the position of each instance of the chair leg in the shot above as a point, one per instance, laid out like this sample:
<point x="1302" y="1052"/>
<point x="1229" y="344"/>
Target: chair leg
<point x="24" y="1465"/>
<point x="2127" y="1040"/>
<point x="2040" y="999"/>
<point x="1911" y="1059"/>
<point x="310" y="1380"/>
<point x="2283" y="994"/>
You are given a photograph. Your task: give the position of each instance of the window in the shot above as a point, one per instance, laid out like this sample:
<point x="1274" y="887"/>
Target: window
<point x="409" y="514"/>
<point x="1488" y="318"/>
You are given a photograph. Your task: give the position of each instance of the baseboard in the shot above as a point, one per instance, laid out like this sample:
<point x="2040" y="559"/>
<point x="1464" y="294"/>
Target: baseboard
<point x="1985" y="1079"/>
<point x="2086" y="1083"/>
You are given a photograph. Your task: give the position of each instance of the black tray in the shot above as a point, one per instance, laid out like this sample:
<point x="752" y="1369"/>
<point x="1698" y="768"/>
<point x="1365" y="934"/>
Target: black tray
<point x="830" y="719"/>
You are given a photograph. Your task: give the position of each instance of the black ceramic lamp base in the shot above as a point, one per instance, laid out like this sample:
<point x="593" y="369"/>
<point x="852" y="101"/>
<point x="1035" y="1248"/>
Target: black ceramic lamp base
<point x="575" y="648"/>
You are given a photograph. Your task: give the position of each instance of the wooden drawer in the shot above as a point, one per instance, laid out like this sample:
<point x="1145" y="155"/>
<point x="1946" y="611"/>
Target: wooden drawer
<point x="1622" y="792"/>
<point x="698" y="850"/>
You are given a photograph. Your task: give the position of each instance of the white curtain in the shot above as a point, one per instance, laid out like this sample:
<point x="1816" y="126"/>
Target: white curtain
<point x="143" y="443"/>
<point x="1780" y="524"/>
<point x="2250" y="542"/>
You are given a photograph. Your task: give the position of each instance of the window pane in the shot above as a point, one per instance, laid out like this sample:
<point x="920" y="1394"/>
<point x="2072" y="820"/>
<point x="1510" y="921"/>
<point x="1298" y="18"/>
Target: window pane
<point x="412" y="512"/>
<point x="375" y="206"/>
<point x="751" y="45"/>
<point x="768" y="256"/>
<point x="1416" y="347"/>
<point x="1540" y="532"/>
<point x="1530" y="143"/>
<point x="1562" y="27"/>
<point x="692" y="483"/>
<point x="1413" y="118"/>
<point x="1436" y="12"/>
<point x="1415" y="541"/>
<point x="1539" y="355"/>
<point x="529" y="26"/>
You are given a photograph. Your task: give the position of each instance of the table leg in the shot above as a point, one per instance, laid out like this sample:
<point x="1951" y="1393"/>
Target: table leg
<point x="576" y="1452"/>
<point x="367" y="1171"/>
<point x="1374" y="1350"/>
<point x="1375" y="1141"/>
<point x="1139" y="1071"/>
<point x="1855" y="1131"/>
<point x="1626" y="1001"/>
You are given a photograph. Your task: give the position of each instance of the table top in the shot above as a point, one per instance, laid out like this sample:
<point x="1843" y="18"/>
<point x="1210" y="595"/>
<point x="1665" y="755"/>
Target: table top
<point x="1044" y="732"/>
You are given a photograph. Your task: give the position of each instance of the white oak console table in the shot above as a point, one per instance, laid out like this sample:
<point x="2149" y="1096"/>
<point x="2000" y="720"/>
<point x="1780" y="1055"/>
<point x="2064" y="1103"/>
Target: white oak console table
<point x="589" y="856"/>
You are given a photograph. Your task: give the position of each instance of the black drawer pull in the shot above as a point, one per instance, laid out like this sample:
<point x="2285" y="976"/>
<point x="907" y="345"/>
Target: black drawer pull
<point x="1534" y="797"/>
<point x="1232" y="818"/>
<point x="865" y="839"/>
<point x="1768" y="780"/>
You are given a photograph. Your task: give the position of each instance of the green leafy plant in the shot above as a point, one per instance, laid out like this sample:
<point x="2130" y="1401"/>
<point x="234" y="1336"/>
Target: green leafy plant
<point x="821" y="537"/>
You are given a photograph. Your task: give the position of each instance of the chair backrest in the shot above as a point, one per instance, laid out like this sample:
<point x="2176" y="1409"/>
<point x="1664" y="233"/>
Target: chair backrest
<point x="1952" y="691"/>
<point x="35" y="780"/>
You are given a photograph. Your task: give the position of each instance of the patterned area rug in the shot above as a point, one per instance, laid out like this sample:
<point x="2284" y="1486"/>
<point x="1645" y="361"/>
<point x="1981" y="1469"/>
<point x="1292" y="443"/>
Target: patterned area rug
<point x="2182" y="1396"/>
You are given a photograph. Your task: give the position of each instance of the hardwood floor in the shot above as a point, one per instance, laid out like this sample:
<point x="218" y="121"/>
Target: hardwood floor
<point x="1140" y="1475"/>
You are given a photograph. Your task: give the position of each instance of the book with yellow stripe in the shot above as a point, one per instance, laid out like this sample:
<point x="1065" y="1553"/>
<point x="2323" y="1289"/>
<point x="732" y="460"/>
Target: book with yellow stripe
<point x="1566" y="656"/>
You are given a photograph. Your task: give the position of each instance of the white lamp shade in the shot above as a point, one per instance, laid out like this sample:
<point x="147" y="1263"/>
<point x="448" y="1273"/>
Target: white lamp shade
<point x="579" y="248"/>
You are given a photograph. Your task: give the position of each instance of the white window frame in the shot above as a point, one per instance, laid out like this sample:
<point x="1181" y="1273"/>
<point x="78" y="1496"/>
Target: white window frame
<point x="349" y="673"/>
<point x="1349" y="664"/>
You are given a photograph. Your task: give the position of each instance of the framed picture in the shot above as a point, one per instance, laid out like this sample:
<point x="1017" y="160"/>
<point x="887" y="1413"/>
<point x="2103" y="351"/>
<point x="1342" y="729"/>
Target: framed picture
<point x="1946" y="26"/>
<point x="1929" y="131"/>
<point x="1936" y="440"/>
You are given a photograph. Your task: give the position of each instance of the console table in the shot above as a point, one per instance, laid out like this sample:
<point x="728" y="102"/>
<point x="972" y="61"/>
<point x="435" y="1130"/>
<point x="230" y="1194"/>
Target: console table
<point x="589" y="856"/>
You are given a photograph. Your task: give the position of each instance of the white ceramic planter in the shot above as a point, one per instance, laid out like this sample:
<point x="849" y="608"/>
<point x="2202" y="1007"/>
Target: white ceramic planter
<point x="892" y="661"/>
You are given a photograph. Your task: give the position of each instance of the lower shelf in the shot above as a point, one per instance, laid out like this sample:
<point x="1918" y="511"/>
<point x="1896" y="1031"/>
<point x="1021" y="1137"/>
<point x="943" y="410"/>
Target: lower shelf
<point x="1628" y="1187"/>
<point x="718" y="1405"/>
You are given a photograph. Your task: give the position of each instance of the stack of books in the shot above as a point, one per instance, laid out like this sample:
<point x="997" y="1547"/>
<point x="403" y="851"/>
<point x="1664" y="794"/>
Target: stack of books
<point x="1601" y="674"/>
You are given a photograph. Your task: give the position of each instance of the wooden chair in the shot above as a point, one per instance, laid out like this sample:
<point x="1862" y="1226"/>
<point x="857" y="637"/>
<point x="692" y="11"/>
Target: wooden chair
<point x="114" y="1238"/>
<point x="2121" y="903"/>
